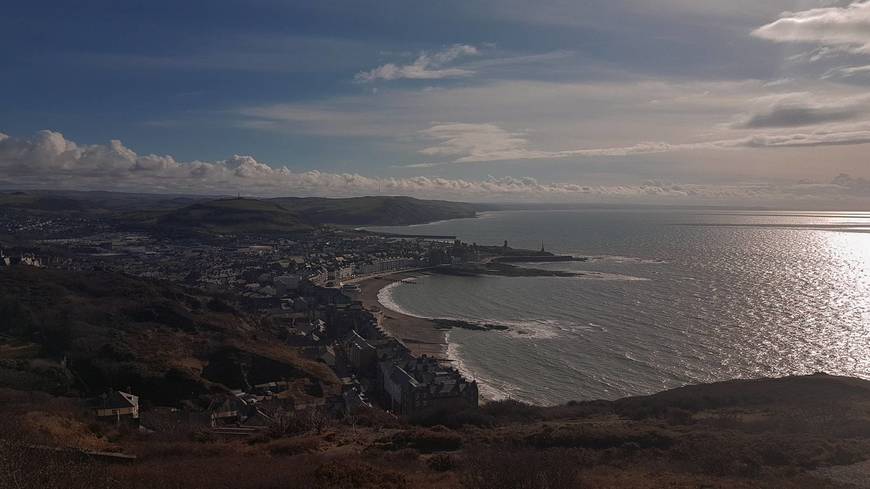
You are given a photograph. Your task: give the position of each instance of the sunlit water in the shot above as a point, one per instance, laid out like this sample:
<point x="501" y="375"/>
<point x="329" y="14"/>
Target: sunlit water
<point x="684" y="297"/>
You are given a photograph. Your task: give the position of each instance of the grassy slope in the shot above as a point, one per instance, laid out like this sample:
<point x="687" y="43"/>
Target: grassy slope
<point x="385" y="211"/>
<point x="283" y="215"/>
<point x="189" y="216"/>
<point x="229" y="216"/>
<point x="774" y="433"/>
<point x="119" y="332"/>
<point x="93" y="202"/>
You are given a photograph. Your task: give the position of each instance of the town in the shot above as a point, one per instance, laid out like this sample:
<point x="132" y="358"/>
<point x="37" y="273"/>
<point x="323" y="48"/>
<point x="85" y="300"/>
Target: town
<point x="302" y="285"/>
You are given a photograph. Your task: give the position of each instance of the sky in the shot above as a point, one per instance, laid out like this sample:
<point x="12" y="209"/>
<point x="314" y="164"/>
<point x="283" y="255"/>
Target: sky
<point x="644" y="101"/>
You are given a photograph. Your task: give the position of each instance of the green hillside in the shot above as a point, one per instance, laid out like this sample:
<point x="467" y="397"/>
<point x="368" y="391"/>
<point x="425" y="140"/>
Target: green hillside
<point x="232" y="216"/>
<point x="376" y="211"/>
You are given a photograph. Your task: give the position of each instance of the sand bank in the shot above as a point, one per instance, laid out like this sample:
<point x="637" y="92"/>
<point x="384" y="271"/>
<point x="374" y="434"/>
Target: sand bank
<point x="420" y="335"/>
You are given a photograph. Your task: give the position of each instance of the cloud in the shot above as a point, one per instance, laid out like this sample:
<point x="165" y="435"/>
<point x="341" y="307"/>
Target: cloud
<point x="852" y="184"/>
<point x="427" y="66"/>
<point x="475" y="143"/>
<point x="847" y="71"/>
<point x="791" y="113"/>
<point x="49" y="160"/>
<point x="806" y="140"/>
<point x="844" y="27"/>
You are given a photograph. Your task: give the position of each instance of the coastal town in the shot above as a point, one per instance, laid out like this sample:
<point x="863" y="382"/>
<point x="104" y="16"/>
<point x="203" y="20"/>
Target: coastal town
<point x="318" y="289"/>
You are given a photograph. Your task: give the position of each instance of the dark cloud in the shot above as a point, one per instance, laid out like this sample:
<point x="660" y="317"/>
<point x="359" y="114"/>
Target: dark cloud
<point x="797" y="116"/>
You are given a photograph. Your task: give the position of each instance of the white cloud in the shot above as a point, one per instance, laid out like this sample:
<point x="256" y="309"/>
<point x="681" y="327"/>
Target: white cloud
<point x="474" y="143"/>
<point x="847" y="71"/>
<point x="843" y="27"/>
<point x="427" y="66"/>
<point x="49" y="160"/>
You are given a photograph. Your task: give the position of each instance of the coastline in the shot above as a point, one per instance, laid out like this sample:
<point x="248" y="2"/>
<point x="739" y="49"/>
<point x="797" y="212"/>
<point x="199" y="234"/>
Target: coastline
<point x="422" y="336"/>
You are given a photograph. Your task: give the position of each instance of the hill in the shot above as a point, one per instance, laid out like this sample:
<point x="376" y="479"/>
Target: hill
<point x="70" y="333"/>
<point x="810" y="432"/>
<point x="292" y="215"/>
<point x="92" y="202"/>
<point x="376" y="211"/>
<point x="202" y="215"/>
<point x="233" y="216"/>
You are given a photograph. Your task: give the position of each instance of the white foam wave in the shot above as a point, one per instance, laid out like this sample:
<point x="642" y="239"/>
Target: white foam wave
<point x="385" y="298"/>
<point x="527" y="329"/>
<point x="487" y="391"/>
<point x="611" y="276"/>
<point x="627" y="259"/>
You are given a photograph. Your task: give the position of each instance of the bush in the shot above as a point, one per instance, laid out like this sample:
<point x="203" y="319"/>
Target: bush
<point x="441" y="463"/>
<point x="25" y="468"/>
<point x="294" y="446"/>
<point x="513" y="411"/>
<point x="520" y="469"/>
<point x="335" y="475"/>
<point x="427" y="440"/>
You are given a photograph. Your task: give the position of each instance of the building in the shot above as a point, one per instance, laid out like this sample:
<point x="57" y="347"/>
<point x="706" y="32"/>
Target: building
<point x="360" y="353"/>
<point x="118" y="406"/>
<point x="421" y="383"/>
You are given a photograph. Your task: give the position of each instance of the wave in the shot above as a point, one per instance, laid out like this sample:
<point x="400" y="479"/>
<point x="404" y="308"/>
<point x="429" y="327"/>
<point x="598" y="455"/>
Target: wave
<point x="527" y="329"/>
<point x="628" y="259"/>
<point x="583" y="274"/>
<point x="385" y="298"/>
<point x="486" y="388"/>
<point x="611" y="276"/>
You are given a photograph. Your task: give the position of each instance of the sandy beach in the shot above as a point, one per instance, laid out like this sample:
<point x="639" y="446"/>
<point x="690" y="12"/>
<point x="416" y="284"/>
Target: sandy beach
<point x="418" y="334"/>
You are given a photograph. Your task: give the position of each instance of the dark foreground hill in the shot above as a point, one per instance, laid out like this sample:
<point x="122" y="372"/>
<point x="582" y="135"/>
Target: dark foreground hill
<point x="738" y="434"/>
<point x="65" y="336"/>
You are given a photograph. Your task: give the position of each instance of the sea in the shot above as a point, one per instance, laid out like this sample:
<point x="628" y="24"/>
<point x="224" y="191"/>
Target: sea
<point x="669" y="297"/>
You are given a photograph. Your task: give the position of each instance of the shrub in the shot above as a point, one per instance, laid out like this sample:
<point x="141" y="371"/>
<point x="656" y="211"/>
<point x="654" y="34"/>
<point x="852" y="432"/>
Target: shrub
<point x="294" y="446"/>
<point x="25" y="468"/>
<point x="441" y="463"/>
<point x="335" y="475"/>
<point x="519" y="469"/>
<point x="427" y="440"/>
<point x="510" y="410"/>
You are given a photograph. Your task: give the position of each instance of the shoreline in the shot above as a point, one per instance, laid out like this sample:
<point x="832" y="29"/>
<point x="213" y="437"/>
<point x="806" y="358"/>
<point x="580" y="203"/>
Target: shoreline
<point x="422" y="336"/>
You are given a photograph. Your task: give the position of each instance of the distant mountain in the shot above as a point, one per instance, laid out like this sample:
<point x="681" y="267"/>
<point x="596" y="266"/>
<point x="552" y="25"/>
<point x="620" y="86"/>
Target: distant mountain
<point x="288" y="214"/>
<point x="37" y="202"/>
<point x="210" y="217"/>
<point x="216" y="214"/>
<point x="233" y="216"/>
<point x="376" y="211"/>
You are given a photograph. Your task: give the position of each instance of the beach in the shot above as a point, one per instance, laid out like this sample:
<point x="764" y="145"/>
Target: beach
<point x="420" y="335"/>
